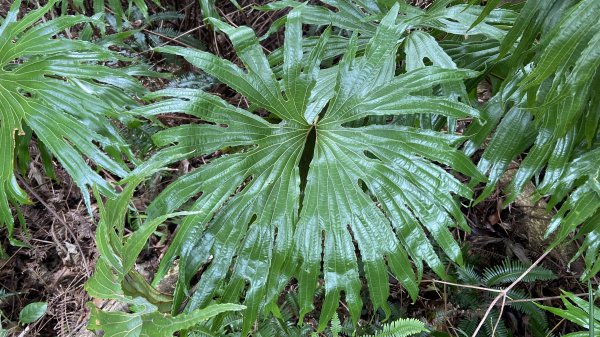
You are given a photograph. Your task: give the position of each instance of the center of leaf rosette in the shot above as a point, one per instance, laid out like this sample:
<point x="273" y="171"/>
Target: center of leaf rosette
<point x="307" y="155"/>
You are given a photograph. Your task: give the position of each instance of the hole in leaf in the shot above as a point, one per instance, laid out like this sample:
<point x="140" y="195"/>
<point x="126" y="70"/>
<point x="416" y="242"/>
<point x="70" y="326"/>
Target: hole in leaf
<point x="370" y="154"/>
<point x="322" y="112"/>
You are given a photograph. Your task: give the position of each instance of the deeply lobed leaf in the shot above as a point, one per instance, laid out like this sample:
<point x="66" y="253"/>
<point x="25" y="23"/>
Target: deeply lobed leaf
<point x="308" y="194"/>
<point x="56" y="89"/>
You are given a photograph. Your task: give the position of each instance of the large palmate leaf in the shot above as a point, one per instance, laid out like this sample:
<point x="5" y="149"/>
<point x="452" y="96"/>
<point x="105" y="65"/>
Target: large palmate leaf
<point x="56" y="89"/>
<point x="361" y="16"/>
<point x="304" y="193"/>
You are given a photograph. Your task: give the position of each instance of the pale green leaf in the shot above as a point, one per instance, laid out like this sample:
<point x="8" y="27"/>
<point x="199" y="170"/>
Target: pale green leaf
<point x="32" y="312"/>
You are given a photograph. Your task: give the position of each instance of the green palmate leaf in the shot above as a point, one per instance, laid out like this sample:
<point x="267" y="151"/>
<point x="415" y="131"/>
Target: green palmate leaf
<point x="55" y="89"/>
<point x="146" y="321"/>
<point x="548" y="106"/>
<point x="582" y="206"/>
<point x="305" y="194"/>
<point x="420" y="47"/>
<point x="489" y="7"/>
<point x="361" y="17"/>
<point x="32" y="312"/>
<point x="504" y="146"/>
<point x="477" y="54"/>
<point x="560" y="43"/>
<point x="358" y="16"/>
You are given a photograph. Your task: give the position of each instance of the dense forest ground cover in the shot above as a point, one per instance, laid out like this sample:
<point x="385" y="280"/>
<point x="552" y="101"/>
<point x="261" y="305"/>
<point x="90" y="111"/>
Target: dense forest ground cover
<point x="52" y="249"/>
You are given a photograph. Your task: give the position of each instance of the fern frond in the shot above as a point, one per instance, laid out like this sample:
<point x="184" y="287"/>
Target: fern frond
<point x="192" y="81"/>
<point x="511" y="270"/>
<point x="166" y="16"/>
<point x="538" y="325"/>
<point x="468" y="275"/>
<point x="494" y="326"/>
<point x="336" y="325"/>
<point x="187" y="39"/>
<point x="401" y="328"/>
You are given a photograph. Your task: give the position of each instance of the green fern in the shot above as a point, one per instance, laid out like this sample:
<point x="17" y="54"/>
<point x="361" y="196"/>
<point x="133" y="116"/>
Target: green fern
<point x="505" y="273"/>
<point x="402" y="327"/>
<point x="510" y="270"/>
<point x="537" y="324"/>
<point x="336" y="326"/>
<point x="466" y="327"/>
<point x="468" y="275"/>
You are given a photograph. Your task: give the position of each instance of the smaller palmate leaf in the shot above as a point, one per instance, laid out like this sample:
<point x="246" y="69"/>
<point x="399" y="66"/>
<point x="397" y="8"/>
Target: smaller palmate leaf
<point x="361" y="16"/>
<point x="562" y="41"/>
<point x="114" y="278"/>
<point x="57" y="89"/>
<point x="146" y="321"/>
<point x="304" y="194"/>
<point x="553" y="97"/>
<point x="114" y="7"/>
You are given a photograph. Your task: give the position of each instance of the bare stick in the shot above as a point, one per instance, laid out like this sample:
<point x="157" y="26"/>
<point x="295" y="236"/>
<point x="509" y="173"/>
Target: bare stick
<point x="502" y="294"/>
<point x="464" y="286"/>
<point x="59" y="218"/>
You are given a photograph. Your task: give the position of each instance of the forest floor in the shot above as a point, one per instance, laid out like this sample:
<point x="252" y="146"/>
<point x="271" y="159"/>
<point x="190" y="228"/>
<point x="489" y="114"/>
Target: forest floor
<point x="60" y="232"/>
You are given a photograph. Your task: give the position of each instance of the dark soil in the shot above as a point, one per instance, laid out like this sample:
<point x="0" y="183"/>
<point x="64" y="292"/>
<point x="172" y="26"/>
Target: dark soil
<point x="59" y="260"/>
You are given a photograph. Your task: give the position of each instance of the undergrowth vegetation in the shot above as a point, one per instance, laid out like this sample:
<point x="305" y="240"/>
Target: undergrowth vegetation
<point x="322" y="187"/>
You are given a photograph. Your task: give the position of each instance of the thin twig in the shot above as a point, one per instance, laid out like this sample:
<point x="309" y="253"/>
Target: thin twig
<point x="521" y="300"/>
<point x="464" y="286"/>
<point x="59" y="218"/>
<point x="174" y="39"/>
<point x="503" y="294"/>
